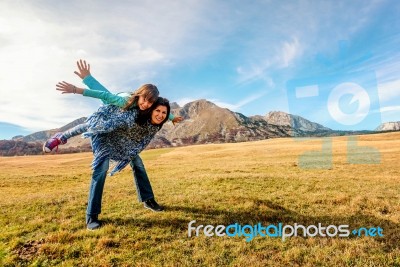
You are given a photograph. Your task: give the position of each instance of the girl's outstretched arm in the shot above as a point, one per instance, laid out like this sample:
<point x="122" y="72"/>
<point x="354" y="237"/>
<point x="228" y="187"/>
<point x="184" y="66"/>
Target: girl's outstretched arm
<point x="83" y="69"/>
<point x="87" y="78"/>
<point x="105" y="96"/>
<point x="67" y="88"/>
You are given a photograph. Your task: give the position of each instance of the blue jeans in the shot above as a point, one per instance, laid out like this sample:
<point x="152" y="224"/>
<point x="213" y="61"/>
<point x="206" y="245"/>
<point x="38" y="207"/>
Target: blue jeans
<point x="99" y="175"/>
<point x="141" y="180"/>
<point x="96" y="188"/>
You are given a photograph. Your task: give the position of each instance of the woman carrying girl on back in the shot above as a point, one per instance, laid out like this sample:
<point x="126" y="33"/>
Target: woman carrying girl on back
<point x="141" y="100"/>
<point x="119" y="136"/>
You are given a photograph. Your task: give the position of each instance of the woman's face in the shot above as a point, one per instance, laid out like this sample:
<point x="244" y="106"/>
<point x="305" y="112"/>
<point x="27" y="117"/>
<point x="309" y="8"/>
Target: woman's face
<point x="159" y="114"/>
<point x="143" y="103"/>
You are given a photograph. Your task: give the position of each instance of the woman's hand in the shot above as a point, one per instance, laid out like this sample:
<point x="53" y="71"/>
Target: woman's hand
<point x="83" y="69"/>
<point x="177" y="120"/>
<point x="67" y="88"/>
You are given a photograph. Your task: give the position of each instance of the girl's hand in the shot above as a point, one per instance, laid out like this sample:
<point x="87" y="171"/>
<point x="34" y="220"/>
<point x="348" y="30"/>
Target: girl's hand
<point x="84" y="69"/>
<point x="67" y="88"/>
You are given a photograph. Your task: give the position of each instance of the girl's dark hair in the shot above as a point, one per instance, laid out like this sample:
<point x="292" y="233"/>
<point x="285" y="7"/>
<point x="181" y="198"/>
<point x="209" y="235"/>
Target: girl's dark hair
<point x="145" y="116"/>
<point x="148" y="91"/>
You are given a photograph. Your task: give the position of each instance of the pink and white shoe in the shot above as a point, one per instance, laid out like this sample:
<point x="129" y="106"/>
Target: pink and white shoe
<point x="53" y="142"/>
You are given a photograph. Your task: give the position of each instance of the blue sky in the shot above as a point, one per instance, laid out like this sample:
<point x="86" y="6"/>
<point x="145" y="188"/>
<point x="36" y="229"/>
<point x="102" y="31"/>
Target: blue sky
<point x="248" y="57"/>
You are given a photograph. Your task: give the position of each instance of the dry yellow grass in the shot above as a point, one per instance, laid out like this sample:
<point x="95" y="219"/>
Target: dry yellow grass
<point x="43" y="201"/>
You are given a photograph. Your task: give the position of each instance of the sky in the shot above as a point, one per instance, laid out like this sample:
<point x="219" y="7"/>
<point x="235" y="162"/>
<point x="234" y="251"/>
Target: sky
<point x="336" y="63"/>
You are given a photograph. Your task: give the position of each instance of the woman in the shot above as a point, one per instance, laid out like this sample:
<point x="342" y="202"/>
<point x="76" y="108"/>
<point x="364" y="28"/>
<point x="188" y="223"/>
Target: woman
<point x="118" y="136"/>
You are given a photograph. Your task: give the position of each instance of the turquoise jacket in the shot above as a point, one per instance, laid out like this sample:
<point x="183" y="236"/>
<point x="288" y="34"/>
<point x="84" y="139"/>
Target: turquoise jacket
<point x="97" y="90"/>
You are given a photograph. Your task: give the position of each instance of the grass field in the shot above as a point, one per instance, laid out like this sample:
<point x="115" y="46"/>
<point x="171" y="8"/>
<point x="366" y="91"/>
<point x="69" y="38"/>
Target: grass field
<point x="43" y="202"/>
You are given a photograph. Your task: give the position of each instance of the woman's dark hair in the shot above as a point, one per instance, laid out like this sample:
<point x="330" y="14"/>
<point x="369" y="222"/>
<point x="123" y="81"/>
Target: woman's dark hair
<point x="145" y="116"/>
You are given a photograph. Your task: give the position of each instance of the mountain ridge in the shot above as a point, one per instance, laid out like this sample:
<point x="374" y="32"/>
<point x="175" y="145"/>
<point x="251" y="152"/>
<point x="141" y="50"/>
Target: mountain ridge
<point x="389" y="126"/>
<point x="204" y="122"/>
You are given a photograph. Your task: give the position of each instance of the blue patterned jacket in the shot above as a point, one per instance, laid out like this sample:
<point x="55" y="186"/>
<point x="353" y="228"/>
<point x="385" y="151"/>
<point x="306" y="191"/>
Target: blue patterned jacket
<point x="116" y="135"/>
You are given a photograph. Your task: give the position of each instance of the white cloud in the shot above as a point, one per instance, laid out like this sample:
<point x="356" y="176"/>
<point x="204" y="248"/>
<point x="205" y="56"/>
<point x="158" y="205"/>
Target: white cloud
<point x="300" y="29"/>
<point x="249" y="99"/>
<point x="290" y="50"/>
<point x="390" y="108"/>
<point x="183" y="101"/>
<point x="282" y="56"/>
<point x="32" y="63"/>
<point x="253" y="72"/>
<point x="241" y="103"/>
<point x="127" y="44"/>
<point x="234" y="107"/>
<point x="222" y="104"/>
<point x="389" y="91"/>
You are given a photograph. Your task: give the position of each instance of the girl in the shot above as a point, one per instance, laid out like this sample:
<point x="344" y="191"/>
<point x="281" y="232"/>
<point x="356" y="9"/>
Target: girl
<point x="141" y="99"/>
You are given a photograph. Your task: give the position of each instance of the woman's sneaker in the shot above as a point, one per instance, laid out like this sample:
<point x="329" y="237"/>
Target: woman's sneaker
<point x="151" y="204"/>
<point x="92" y="222"/>
<point x="53" y="142"/>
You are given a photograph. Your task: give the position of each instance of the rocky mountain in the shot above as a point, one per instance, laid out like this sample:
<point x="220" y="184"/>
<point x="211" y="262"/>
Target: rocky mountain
<point x="389" y="126"/>
<point x="17" y="137"/>
<point x="297" y="122"/>
<point x="204" y="122"/>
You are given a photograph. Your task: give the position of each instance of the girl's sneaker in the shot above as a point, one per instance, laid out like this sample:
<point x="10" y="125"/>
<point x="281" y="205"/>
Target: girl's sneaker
<point x="53" y="142"/>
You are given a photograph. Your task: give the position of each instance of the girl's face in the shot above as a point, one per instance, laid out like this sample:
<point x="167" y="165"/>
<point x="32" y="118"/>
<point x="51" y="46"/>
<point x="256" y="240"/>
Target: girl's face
<point x="159" y="114"/>
<point x="143" y="103"/>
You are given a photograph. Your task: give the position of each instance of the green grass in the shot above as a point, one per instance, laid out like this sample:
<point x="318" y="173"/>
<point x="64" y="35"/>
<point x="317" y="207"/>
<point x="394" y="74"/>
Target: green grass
<point x="43" y="201"/>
